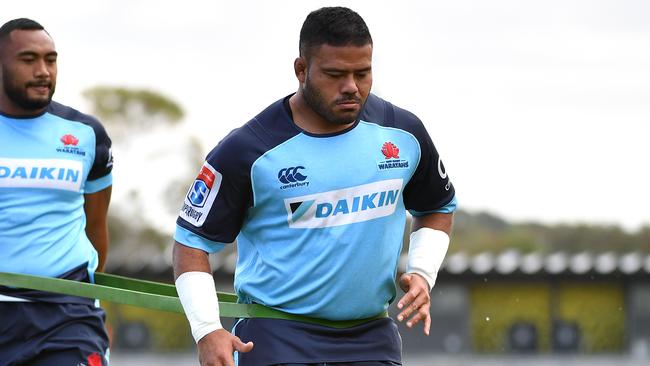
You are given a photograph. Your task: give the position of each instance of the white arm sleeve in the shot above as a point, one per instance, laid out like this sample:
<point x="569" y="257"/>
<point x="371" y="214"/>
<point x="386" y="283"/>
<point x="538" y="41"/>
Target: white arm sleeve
<point x="198" y="296"/>
<point x="427" y="250"/>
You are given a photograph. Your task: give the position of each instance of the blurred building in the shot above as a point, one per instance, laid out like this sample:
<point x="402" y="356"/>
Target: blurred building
<point x="504" y="303"/>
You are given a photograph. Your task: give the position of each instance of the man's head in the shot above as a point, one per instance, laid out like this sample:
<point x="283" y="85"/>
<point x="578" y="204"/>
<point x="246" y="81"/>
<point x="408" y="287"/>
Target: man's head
<point x="334" y="67"/>
<point x="27" y="67"/>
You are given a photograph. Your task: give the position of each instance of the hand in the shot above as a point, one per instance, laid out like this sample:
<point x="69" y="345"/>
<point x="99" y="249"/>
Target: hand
<point x="216" y="348"/>
<point x="416" y="301"/>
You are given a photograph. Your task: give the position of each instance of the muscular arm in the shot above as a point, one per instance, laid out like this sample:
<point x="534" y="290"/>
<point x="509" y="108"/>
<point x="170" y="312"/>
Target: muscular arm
<point x="215" y="348"/>
<point x="96" y="210"/>
<point x="186" y="259"/>
<point x="437" y="221"/>
<point x="417" y="301"/>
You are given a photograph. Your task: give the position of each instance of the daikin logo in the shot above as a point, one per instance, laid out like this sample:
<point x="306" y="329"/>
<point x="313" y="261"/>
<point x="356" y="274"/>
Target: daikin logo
<point x="345" y="206"/>
<point x="41" y="173"/>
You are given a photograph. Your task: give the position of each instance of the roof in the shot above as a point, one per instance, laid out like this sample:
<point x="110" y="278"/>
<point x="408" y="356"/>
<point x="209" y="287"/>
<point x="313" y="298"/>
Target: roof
<point x="504" y="263"/>
<point x="512" y="261"/>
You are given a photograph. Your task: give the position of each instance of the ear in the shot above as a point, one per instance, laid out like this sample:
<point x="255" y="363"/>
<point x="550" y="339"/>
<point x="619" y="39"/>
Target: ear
<point x="300" y="69"/>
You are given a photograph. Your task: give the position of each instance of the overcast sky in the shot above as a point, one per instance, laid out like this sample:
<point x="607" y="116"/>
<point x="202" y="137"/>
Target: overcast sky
<point x="540" y="109"/>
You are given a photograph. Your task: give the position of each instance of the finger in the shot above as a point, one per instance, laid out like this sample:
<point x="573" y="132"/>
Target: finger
<point x="229" y="361"/>
<point x="407" y="299"/>
<point x="411" y="301"/>
<point x="411" y="308"/>
<point x="421" y="314"/>
<point x="427" y="324"/>
<point x="243" y="347"/>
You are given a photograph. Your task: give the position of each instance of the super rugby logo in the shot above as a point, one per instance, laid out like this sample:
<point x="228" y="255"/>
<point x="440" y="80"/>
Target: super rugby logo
<point x="292" y="177"/>
<point x="201" y="195"/>
<point x="198" y="194"/>
<point x="391" y="158"/>
<point x="41" y="173"/>
<point x="344" y="206"/>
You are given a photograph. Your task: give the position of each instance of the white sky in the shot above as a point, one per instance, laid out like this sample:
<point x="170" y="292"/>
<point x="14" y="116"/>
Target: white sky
<point x="540" y="109"/>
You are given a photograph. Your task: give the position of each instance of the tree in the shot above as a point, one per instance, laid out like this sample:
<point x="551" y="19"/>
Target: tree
<point x="154" y="157"/>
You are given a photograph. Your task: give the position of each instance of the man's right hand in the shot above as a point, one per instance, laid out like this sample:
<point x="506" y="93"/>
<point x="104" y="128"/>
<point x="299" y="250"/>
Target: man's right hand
<point x="216" y="348"/>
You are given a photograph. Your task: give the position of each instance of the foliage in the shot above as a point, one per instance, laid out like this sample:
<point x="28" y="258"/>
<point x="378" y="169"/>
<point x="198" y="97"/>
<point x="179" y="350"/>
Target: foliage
<point x="116" y="104"/>
<point x="478" y="232"/>
<point x="148" y="137"/>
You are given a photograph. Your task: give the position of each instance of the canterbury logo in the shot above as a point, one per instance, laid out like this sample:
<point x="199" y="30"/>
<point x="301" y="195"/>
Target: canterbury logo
<point x="291" y="175"/>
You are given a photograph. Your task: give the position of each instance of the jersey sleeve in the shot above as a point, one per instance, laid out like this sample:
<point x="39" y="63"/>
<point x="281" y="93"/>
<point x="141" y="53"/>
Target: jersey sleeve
<point x="429" y="190"/>
<point x="215" y="205"/>
<point x="100" y="176"/>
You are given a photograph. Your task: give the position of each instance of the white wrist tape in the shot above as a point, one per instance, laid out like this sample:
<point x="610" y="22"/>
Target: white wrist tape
<point x="199" y="299"/>
<point x="427" y="250"/>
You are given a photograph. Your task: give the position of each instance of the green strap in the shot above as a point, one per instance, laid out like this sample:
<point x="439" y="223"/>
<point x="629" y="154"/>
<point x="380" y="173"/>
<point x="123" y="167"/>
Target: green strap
<point x="157" y="296"/>
<point x="150" y="287"/>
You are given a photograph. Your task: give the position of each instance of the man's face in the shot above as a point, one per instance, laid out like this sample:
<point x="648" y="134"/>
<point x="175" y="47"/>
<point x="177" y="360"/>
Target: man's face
<point x="337" y="81"/>
<point x="28" y="72"/>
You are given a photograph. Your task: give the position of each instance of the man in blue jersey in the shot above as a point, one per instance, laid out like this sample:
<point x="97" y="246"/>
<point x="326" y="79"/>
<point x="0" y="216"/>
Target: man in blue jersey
<point x="55" y="188"/>
<point x="315" y="190"/>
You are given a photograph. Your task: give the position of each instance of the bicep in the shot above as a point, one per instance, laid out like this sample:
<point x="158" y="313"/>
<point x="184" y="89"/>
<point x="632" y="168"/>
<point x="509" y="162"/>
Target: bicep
<point x="437" y="221"/>
<point x="187" y="259"/>
<point x="96" y="205"/>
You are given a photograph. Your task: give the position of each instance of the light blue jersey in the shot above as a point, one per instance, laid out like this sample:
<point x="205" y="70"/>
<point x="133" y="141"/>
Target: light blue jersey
<point x="319" y="219"/>
<point x="47" y="163"/>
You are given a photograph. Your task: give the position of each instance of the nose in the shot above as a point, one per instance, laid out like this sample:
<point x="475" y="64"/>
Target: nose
<point x="41" y="69"/>
<point x="349" y="85"/>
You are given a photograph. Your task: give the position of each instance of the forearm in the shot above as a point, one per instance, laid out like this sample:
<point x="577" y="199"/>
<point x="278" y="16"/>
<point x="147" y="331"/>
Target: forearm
<point x="196" y="290"/>
<point x="187" y="259"/>
<point x="97" y="233"/>
<point x="429" y="242"/>
<point x="96" y="211"/>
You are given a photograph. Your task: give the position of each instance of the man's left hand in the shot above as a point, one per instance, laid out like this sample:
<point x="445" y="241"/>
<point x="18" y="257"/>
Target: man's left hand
<point x="416" y="302"/>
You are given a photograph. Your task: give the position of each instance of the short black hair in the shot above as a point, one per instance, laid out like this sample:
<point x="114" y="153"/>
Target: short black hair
<point x="19" y="24"/>
<point x="335" y="26"/>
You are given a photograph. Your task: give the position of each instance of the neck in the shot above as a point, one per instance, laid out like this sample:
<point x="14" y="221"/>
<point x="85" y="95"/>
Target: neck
<point x="11" y="109"/>
<point x="308" y="120"/>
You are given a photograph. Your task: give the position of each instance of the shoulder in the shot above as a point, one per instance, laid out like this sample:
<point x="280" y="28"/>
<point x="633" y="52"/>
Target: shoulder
<point x="379" y="111"/>
<point x="262" y="133"/>
<point x="384" y="113"/>
<point x="73" y="115"/>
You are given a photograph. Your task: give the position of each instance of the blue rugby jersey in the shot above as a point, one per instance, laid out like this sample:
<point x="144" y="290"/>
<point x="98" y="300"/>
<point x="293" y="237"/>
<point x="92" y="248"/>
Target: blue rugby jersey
<point x="319" y="219"/>
<point x="47" y="163"/>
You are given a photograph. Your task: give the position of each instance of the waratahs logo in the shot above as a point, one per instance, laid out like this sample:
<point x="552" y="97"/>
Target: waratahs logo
<point x="390" y="150"/>
<point x="292" y="177"/>
<point x="391" y="158"/>
<point x="70" y="143"/>
<point x="69" y="140"/>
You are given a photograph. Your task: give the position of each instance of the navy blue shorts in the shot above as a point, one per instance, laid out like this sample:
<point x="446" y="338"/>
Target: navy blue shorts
<point x="360" y="363"/>
<point x="285" y="342"/>
<point x="41" y="333"/>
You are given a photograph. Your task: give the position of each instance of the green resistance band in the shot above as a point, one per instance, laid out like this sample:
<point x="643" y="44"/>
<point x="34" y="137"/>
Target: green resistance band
<point x="157" y="296"/>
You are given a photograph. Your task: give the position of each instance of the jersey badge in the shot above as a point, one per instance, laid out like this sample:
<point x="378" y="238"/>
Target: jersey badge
<point x="70" y="143"/>
<point x="201" y="195"/>
<point x="292" y="177"/>
<point x="391" y="159"/>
